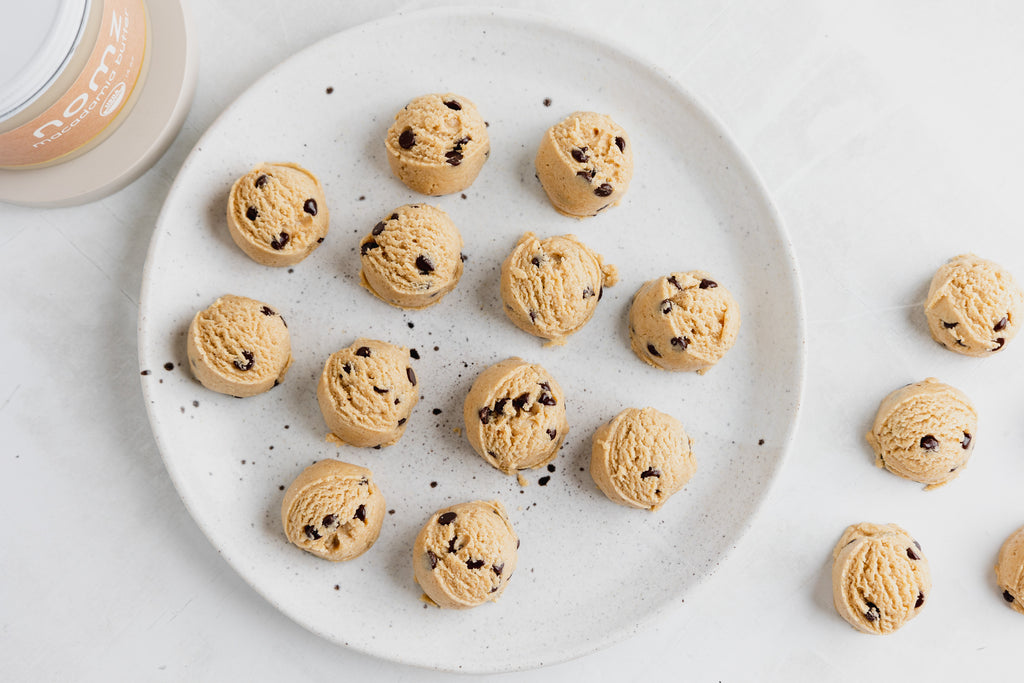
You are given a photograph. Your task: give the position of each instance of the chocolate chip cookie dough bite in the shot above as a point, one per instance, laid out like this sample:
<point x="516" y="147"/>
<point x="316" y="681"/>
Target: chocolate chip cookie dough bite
<point x="641" y="457"/>
<point x="924" y="432"/>
<point x="1010" y="570"/>
<point x="367" y="392"/>
<point x="585" y="164"/>
<point x="465" y="554"/>
<point x="515" y="416"/>
<point x="974" y="306"/>
<point x="333" y="510"/>
<point x="413" y="257"/>
<point x="438" y="144"/>
<point x="239" y="346"/>
<point x="277" y="214"/>
<point x="550" y="288"/>
<point x="880" y="577"/>
<point x="686" y="321"/>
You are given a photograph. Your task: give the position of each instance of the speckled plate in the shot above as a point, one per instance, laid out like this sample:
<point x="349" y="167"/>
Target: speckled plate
<point x="590" y="572"/>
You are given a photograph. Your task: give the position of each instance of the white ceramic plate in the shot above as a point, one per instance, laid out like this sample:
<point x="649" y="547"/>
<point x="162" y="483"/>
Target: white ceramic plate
<point x="590" y="572"/>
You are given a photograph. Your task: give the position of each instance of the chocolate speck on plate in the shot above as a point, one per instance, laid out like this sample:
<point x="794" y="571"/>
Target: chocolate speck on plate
<point x="168" y="366"/>
<point x="543" y="481"/>
<point x="433" y="484"/>
<point x="547" y="101"/>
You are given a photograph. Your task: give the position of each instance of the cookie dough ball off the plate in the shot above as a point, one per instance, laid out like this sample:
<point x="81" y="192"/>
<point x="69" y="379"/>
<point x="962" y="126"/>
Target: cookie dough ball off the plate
<point x="515" y="416"/>
<point x="585" y="163"/>
<point x="239" y="346"/>
<point x="641" y="457"/>
<point x="924" y="432"/>
<point x="1010" y="570"/>
<point x="438" y="144"/>
<point x="367" y="392"/>
<point x="685" y="321"/>
<point x="880" y="577"/>
<point x="465" y="554"/>
<point x="550" y="288"/>
<point x="974" y="306"/>
<point x="413" y="257"/>
<point x="277" y="214"/>
<point x="333" y="510"/>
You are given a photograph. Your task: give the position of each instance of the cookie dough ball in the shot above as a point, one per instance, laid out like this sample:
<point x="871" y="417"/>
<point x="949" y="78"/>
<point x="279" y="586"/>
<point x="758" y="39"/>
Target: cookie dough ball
<point x="277" y="214"/>
<point x="438" y="144"/>
<point x="465" y="554"/>
<point x="239" y="346"/>
<point x="1010" y="570"/>
<point x="974" y="306"/>
<point x="584" y="164"/>
<point x="412" y="258"/>
<point x="641" y="457"/>
<point x="515" y="416"/>
<point x="550" y="288"/>
<point x="685" y="322"/>
<point x="925" y="432"/>
<point x="333" y="510"/>
<point x="367" y="392"/>
<point x="880" y="577"/>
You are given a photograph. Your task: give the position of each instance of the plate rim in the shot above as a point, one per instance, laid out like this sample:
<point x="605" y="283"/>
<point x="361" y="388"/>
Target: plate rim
<point x="725" y="139"/>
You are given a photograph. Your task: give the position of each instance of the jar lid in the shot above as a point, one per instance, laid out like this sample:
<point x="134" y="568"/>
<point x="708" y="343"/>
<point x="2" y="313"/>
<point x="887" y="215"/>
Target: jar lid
<point x="37" y="40"/>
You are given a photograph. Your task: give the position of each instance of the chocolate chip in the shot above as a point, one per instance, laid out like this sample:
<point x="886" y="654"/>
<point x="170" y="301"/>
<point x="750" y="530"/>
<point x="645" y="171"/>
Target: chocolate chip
<point x="544" y="385"/>
<point x="424" y="264"/>
<point x="411" y="375"/>
<point x="588" y="292"/>
<point x="407" y="139"/>
<point x="460" y="143"/>
<point x="462" y="257"/>
<point x="363" y="351"/>
<point x="587" y="174"/>
<point x="329" y="520"/>
<point x="519" y="402"/>
<point x="604" y="190"/>
<point x="497" y="568"/>
<point x="378" y="229"/>
<point x="367" y="246"/>
<point x="281" y="240"/>
<point x="580" y="154"/>
<point x="551" y="467"/>
<point x="653" y="351"/>
<point x="920" y="599"/>
<point x="620" y="143"/>
<point x="347" y="368"/>
<point x="543" y="481"/>
<point x="929" y="442"/>
<point x="485" y="415"/>
<point x="310" y="207"/>
<point x="379" y="390"/>
<point x="535" y="261"/>
<point x="949" y="326"/>
<point x="912" y="555"/>
<point x="329" y="90"/>
<point x="600" y="293"/>
<point x="415" y="354"/>
<point x="474" y="564"/>
<point x="673" y="281"/>
<point x="552" y="433"/>
<point x="251" y="213"/>
<point x="546" y="399"/>
<point x="547" y="101"/>
<point x="452" y="104"/>
<point x="1001" y="325"/>
<point x="319" y="240"/>
<point x="533" y="316"/>
<point x="144" y="373"/>
<point x="681" y="342"/>
<point x="451" y="544"/>
<point x="708" y="284"/>
<point x="402" y="421"/>
<point x="1007" y="596"/>
<point x="499" y="406"/>
<point x="666" y="306"/>
<point x="436" y="411"/>
<point x="652" y="472"/>
<point x="432" y="558"/>
<point x="394" y="217"/>
<point x="960" y="343"/>
<point x="999" y="343"/>
<point x="447" y="518"/>
<point x="360" y="513"/>
<point x="267" y="310"/>
<point x="453" y="158"/>
<point x="247" y="364"/>
<point x="872" y="614"/>
<point x="261" y="180"/>
<point x="397" y="401"/>
<point x="966" y="441"/>
<point x="311" y="532"/>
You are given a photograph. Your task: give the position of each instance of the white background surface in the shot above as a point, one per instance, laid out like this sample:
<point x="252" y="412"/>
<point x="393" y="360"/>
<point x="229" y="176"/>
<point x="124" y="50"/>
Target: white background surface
<point x="889" y="135"/>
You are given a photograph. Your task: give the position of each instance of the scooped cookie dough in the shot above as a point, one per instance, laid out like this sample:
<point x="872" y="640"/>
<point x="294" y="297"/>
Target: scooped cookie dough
<point x="438" y="144"/>
<point x="924" y="432"/>
<point x="880" y="577"/>
<point x="1010" y="570"/>
<point x="974" y="306"/>
<point x="550" y="288"/>
<point x="465" y="554"/>
<point x="641" y="457"/>
<point x="412" y="258"/>
<point x="367" y="392"/>
<point x="585" y="163"/>
<point x="333" y="510"/>
<point x="685" y="322"/>
<point x="277" y="214"/>
<point x="515" y="416"/>
<point x="239" y="346"/>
